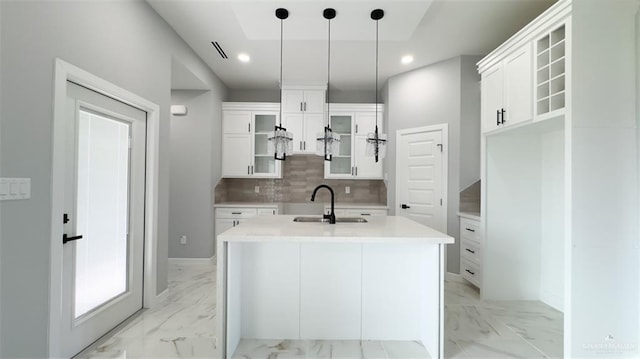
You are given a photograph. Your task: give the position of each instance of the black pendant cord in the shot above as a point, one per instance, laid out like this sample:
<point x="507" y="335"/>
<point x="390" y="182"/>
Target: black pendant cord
<point x="279" y="130"/>
<point x="328" y="14"/>
<point x="376" y="145"/>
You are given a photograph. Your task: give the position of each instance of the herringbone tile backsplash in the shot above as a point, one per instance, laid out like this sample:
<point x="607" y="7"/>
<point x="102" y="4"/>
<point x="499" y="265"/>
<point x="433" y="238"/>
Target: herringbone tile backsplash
<point x="300" y="175"/>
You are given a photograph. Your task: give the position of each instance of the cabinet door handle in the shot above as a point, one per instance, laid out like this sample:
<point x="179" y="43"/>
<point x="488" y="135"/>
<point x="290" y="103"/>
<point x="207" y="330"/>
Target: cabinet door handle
<point x="274" y="212"/>
<point x="404" y="206"/>
<point x="304" y="145"/>
<point x="249" y="126"/>
<point x="497" y="117"/>
<point x="248" y="170"/>
<point x="469" y="250"/>
<point x="305" y="106"/>
<point x="356" y="170"/>
<point x="251" y="169"/>
<point x="502" y="121"/>
<point x="300" y="106"/>
<point x="236" y="212"/>
<point x="365" y="214"/>
<point x="300" y="145"/>
<point x="470" y="230"/>
<point x="470" y="272"/>
<point x="352" y="171"/>
<point x="356" y="128"/>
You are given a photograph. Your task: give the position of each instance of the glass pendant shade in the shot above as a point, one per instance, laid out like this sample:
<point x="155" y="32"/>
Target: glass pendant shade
<point x="280" y="143"/>
<point x="327" y="143"/>
<point x="376" y="145"/>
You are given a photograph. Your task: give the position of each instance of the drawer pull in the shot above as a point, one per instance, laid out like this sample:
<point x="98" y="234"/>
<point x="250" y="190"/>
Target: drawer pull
<point x="236" y="212"/>
<point x="365" y="214"/>
<point x="470" y="230"/>
<point x="469" y="250"/>
<point x="470" y="272"/>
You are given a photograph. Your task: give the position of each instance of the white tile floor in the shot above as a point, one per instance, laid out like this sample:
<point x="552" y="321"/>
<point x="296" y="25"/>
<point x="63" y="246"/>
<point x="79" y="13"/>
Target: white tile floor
<point x="183" y="326"/>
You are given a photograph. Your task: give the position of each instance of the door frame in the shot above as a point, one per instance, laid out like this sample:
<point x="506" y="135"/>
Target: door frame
<point x="64" y="72"/>
<point x="444" y="128"/>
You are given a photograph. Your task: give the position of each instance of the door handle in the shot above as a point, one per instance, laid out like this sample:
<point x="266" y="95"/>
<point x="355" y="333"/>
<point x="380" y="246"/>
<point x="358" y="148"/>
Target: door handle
<point x="66" y="239"/>
<point x="469" y="250"/>
<point x="305" y="106"/>
<point x="497" y="117"/>
<point x="470" y="272"/>
<point x="502" y="116"/>
<point x="470" y="230"/>
<point x="404" y="206"/>
<point x="300" y="106"/>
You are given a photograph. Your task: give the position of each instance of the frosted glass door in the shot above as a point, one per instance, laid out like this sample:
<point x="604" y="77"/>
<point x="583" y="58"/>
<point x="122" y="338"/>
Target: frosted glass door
<point x="102" y="203"/>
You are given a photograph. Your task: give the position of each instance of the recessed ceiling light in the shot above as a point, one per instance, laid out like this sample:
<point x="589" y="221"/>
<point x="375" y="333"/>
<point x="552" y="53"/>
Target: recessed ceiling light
<point x="244" y="57"/>
<point x="407" y="59"/>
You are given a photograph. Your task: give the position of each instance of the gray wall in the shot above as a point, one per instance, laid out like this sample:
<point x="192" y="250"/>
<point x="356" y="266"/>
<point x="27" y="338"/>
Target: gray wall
<point x="195" y="170"/>
<point x="470" y="121"/>
<point x="337" y="96"/>
<point x="124" y="42"/>
<point x="428" y="96"/>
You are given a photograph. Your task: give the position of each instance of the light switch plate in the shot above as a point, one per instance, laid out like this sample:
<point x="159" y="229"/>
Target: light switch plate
<point x="257" y="189"/>
<point x="15" y="188"/>
<point x="347" y="189"/>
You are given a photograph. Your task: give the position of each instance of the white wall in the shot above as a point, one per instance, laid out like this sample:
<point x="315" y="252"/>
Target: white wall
<point x="195" y="170"/>
<point x="604" y="270"/>
<point x="433" y="95"/>
<point x="123" y="42"/>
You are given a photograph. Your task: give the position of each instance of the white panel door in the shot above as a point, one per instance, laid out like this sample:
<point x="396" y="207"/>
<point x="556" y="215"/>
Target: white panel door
<point x="236" y="122"/>
<point x="420" y="176"/>
<point x="103" y="216"/>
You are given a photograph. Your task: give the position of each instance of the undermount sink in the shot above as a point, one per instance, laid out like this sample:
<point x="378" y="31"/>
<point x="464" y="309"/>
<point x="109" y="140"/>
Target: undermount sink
<point x="338" y="219"/>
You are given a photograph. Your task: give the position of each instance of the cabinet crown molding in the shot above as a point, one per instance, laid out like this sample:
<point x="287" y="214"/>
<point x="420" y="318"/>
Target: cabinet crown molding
<point x="251" y="106"/>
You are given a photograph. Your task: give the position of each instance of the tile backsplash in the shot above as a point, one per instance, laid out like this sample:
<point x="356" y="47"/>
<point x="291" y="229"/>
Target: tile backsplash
<point x="300" y="175"/>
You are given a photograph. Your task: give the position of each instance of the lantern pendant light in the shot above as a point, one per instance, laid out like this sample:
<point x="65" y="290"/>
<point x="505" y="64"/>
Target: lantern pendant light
<point x="376" y="142"/>
<point x="280" y="140"/>
<point x="328" y="142"/>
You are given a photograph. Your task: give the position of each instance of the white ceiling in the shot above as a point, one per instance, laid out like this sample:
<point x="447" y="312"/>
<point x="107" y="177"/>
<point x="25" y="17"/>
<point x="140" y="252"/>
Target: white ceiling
<point x="430" y="30"/>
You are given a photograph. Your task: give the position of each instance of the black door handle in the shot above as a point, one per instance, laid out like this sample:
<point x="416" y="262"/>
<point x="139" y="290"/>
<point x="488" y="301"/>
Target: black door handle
<point x="470" y="272"/>
<point x="469" y="250"/>
<point x="404" y="206"/>
<point x="502" y="116"/>
<point x="470" y="230"/>
<point x="498" y="117"/>
<point x="66" y="239"/>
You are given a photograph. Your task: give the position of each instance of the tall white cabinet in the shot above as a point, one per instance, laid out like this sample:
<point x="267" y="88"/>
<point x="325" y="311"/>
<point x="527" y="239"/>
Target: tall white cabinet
<point x="560" y="185"/>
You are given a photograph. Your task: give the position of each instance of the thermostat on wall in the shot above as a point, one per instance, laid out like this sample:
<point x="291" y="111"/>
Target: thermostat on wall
<point x="178" y="110"/>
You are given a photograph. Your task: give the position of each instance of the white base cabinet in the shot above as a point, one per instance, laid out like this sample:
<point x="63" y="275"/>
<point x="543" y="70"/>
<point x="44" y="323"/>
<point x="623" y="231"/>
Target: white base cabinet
<point x="470" y="251"/>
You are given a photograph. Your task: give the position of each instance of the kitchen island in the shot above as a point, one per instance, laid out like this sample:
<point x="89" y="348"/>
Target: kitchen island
<point x="380" y="280"/>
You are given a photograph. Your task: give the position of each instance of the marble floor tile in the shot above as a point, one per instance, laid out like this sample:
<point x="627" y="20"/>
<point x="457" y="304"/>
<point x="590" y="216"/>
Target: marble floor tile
<point x="183" y="325"/>
<point x="263" y="349"/>
<point x="498" y="348"/>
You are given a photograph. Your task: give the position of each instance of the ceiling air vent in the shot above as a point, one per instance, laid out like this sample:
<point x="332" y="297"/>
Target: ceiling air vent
<point x="219" y="49"/>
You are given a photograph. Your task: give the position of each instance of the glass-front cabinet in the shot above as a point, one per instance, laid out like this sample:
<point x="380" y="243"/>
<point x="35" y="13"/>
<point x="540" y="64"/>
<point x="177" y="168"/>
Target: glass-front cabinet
<point x="353" y="122"/>
<point x="341" y="163"/>
<point x="245" y="148"/>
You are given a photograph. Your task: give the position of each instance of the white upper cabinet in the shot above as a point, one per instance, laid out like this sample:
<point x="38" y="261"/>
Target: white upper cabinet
<point x="507" y="91"/>
<point x="303" y="116"/>
<point x="353" y="122"/>
<point x="245" y="129"/>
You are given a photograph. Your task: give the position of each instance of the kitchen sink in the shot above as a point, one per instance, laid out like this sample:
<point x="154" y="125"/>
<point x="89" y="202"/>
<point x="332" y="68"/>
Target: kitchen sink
<point x="338" y="219"/>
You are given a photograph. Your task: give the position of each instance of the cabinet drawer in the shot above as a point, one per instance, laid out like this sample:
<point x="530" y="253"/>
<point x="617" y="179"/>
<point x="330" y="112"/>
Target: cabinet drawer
<point x="470" y="250"/>
<point x="470" y="229"/>
<point x="239" y="212"/>
<point x="366" y="212"/>
<point x="470" y="272"/>
<point x="267" y="211"/>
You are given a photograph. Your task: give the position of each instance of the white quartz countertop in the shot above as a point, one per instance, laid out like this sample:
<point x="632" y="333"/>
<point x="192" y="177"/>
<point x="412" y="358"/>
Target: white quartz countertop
<point x="247" y="204"/>
<point x="378" y="229"/>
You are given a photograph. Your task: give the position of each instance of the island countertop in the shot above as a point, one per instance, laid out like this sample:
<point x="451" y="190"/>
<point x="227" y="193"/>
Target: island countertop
<point x="394" y="229"/>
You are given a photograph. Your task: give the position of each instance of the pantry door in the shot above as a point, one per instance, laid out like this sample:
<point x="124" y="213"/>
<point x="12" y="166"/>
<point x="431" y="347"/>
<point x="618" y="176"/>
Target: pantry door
<point x="421" y="175"/>
<point x="103" y="216"/>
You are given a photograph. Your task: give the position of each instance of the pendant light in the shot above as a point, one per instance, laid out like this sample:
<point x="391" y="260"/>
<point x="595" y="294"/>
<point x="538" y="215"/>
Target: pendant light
<point x="280" y="140"/>
<point x="376" y="142"/>
<point x="328" y="142"/>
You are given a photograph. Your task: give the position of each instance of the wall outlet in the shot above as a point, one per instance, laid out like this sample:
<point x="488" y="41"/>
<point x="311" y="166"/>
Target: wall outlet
<point x="256" y="189"/>
<point x="183" y="239"/>
<point x="347" y="189"/>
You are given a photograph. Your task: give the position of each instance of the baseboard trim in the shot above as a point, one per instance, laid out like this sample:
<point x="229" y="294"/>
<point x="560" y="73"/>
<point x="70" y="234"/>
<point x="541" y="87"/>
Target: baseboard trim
<point x="210" y="260"/>
<point x="158" y="298"/>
